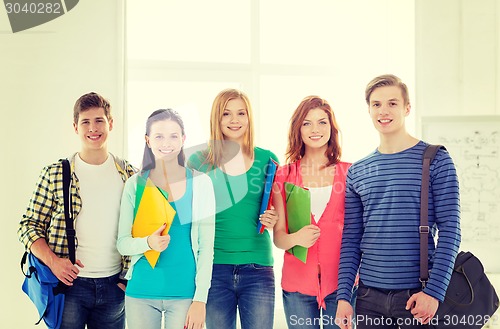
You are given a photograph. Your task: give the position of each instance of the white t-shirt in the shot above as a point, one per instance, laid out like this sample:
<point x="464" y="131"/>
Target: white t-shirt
<point x="319" y="198"/>
<point x="97" y="223"/>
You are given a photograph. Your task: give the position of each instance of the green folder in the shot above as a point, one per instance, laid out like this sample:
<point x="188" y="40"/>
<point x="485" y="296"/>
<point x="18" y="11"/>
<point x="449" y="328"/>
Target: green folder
<point x="298" y="207"/>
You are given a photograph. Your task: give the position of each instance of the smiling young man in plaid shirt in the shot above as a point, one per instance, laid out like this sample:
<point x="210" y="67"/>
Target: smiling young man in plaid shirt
<point x="94" y="297"/>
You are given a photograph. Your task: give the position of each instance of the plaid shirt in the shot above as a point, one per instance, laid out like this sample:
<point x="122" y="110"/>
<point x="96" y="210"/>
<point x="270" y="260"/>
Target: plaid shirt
<point x="44" y="217"/>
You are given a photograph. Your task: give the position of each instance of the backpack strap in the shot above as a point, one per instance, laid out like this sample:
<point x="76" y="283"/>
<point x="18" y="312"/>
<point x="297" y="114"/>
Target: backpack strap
<point x="424" y="230"/>
<point x="31" y="269"/>
<point x="70" y="230"/>
<point x="68" y="218"/>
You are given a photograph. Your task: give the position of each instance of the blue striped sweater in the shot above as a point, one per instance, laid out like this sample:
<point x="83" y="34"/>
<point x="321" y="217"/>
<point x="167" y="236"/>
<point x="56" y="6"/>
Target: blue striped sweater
<point x="382" y="216"/>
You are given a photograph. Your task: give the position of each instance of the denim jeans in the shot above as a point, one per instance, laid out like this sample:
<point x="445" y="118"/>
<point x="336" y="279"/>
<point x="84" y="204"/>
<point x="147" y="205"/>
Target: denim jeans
<point x="97" y="303"/>
<point x="145" y="313"/>
<point x="248" y="288"/>
<point x="380" y="308"/>
<point x="302" y="311"/>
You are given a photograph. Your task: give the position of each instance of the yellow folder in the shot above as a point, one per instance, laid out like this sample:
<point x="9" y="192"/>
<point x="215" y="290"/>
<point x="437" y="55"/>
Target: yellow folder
<point x="298" y="208"/>
<point x="152" y="212"/>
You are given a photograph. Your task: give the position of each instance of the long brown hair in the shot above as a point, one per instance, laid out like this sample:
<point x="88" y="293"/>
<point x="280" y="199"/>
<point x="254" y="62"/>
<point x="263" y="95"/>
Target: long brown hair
<point x="214" y="154"/>
<point x="148" y="159"/>
<point x="296" y="148"/>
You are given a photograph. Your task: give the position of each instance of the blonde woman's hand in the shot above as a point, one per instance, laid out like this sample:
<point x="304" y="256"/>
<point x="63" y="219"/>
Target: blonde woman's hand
<point x="195" y="318"/>
<point x="159" y="242"/>
<point x="307" y="236"/>
<point x="269" y="218"/>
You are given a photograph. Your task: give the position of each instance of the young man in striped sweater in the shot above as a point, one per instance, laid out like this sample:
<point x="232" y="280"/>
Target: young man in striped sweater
<point x="382" y="217"/>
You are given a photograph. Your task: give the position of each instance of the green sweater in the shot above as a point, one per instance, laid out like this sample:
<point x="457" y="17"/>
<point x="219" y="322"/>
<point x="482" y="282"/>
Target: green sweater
<point x="238" y="200"/>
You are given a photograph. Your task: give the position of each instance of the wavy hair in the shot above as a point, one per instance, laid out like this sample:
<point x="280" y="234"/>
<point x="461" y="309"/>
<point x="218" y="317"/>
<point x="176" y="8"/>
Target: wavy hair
<point x="296" y="148"/>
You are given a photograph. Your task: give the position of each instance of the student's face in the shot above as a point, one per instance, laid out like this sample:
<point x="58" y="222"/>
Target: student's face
<point x="387" y="109"/>
<point x="315" y="130"/>
<point x="165" y="139"/>
<point x="93" y="128"/>
<point x="234" y="122"/>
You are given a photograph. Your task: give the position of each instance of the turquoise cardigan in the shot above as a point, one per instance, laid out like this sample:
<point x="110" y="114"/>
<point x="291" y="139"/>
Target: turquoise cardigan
<point x="202" y="230"/>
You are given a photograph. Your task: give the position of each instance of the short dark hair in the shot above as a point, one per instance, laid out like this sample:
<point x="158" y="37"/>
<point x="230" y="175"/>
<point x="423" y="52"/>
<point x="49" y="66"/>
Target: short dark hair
<point x="88" y="101"/>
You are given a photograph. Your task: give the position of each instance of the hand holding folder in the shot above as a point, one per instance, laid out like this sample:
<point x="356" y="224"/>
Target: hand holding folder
<point x="268" y="186"/>
<point x="152" y="211"/>
<point x="298" y="207"/>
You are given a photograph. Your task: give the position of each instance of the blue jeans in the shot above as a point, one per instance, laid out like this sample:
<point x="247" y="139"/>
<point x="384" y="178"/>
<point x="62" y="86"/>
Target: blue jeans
<point x="302" y="311"/>
<point x="145" y="313"/>
<point x="248" y="288"/>
<point x="384" y="309"/>
<point x="97" y="303"/>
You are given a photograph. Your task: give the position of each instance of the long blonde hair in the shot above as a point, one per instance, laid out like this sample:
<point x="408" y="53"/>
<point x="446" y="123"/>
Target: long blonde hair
<point x="215" y="150"/>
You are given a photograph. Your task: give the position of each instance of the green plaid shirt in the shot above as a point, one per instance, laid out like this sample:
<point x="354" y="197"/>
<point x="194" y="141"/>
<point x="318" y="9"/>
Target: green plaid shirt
<point x="44" y="217"/>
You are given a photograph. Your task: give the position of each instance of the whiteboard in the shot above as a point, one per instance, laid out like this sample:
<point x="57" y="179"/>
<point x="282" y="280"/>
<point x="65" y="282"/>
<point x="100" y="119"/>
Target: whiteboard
<point x="474" y="144"/>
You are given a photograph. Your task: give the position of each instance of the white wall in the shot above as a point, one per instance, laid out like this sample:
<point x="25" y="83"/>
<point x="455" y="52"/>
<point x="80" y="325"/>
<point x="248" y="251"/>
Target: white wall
<point x="458" y="57"/>
<point x="458" y="74"/>
<point x="42" y="72"/>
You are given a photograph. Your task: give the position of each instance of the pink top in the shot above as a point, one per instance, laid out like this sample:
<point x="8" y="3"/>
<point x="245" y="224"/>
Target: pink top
<point x="319" y="275"/>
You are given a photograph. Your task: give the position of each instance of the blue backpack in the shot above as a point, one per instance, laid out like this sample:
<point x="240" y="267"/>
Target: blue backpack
<point x="44" y="290"/>
<point x="40" y="284"/>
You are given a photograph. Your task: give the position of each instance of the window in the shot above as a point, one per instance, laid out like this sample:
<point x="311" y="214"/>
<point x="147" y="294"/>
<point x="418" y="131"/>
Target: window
<point x="181" y="54"/>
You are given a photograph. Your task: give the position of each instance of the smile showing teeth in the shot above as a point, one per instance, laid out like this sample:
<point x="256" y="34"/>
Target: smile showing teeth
<point x="384" y="120"/>
<point x="234" y="128"/>
<point x="166" y="151"/>
<point x="94" y="137"/>
<point x="315" y="137"/>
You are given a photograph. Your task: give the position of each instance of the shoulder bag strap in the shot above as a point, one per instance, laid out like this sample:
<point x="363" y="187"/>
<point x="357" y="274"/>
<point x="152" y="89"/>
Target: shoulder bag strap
<point x="70" y="231"/>
<point x="424" y="230"/>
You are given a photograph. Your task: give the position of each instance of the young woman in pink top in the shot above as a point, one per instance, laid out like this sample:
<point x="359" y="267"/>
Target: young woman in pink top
<point x="313" y="162"/>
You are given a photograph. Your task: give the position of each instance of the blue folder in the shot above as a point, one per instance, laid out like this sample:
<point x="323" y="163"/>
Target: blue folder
<point x="266" y="195"/>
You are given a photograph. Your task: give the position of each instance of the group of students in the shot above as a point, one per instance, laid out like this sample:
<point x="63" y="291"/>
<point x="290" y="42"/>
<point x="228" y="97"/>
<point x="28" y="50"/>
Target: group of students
<point x="213" y="263"/>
